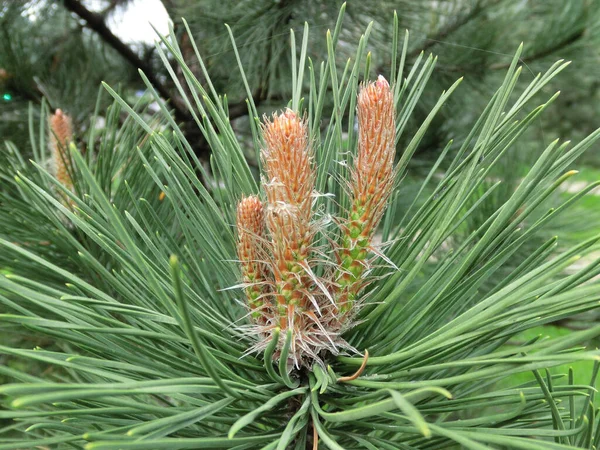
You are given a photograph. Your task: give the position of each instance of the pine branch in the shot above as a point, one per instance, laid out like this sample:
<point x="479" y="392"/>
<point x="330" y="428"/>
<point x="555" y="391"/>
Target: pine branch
<point x="96" y="23"/>
<point x="143" y="288"/>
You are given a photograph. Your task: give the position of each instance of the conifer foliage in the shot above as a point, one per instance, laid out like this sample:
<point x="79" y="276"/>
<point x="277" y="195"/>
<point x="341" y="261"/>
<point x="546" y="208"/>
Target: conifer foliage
<point x="186" y="307"/>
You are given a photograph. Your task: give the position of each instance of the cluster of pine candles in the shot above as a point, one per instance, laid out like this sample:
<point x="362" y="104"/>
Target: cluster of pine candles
<point x="276" y="238"/>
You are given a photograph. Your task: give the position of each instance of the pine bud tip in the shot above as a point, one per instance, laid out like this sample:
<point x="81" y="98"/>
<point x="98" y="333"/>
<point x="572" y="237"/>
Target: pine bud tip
<point x="381" y="82"/>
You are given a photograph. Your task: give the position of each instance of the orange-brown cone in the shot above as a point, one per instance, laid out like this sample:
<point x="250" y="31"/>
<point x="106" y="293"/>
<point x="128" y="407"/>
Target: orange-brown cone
<point x="371" y="184"/>
<point x="250" y="230"/>
<point x="61" y="135"/>
<point x="287" y="159"/>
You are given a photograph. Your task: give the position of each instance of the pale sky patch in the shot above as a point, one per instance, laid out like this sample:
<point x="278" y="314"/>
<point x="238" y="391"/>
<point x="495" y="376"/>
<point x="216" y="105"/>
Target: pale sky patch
<point x="132" y="23"/>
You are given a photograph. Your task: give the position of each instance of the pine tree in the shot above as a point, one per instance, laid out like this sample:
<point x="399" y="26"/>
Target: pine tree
<point x="162" y="284"/>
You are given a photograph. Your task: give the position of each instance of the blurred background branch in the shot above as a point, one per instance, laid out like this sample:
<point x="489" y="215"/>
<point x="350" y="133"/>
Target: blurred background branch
<point x="79" y="43"/>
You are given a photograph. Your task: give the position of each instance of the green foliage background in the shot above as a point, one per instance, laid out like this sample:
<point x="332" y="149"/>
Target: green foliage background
<point x="138" y="351"/>
<point x="50" y="51"/>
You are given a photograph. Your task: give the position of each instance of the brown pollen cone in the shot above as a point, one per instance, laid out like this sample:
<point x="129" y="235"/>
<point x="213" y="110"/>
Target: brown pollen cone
<point x="371" y="184"/>
<point x="61" y="135"/>
<point x="373" y="173"/>
<point x="250" y="230"/>
<point x="287" y="160"/>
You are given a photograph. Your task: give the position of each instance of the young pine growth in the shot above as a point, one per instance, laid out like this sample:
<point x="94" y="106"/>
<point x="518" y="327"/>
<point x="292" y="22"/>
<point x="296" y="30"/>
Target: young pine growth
<point x="315" y="308"/>
<point x="371" y="184"/>
<point x="60" y="136"/>
<point x="250" y="228"/>
<point x="289" y="185"/>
